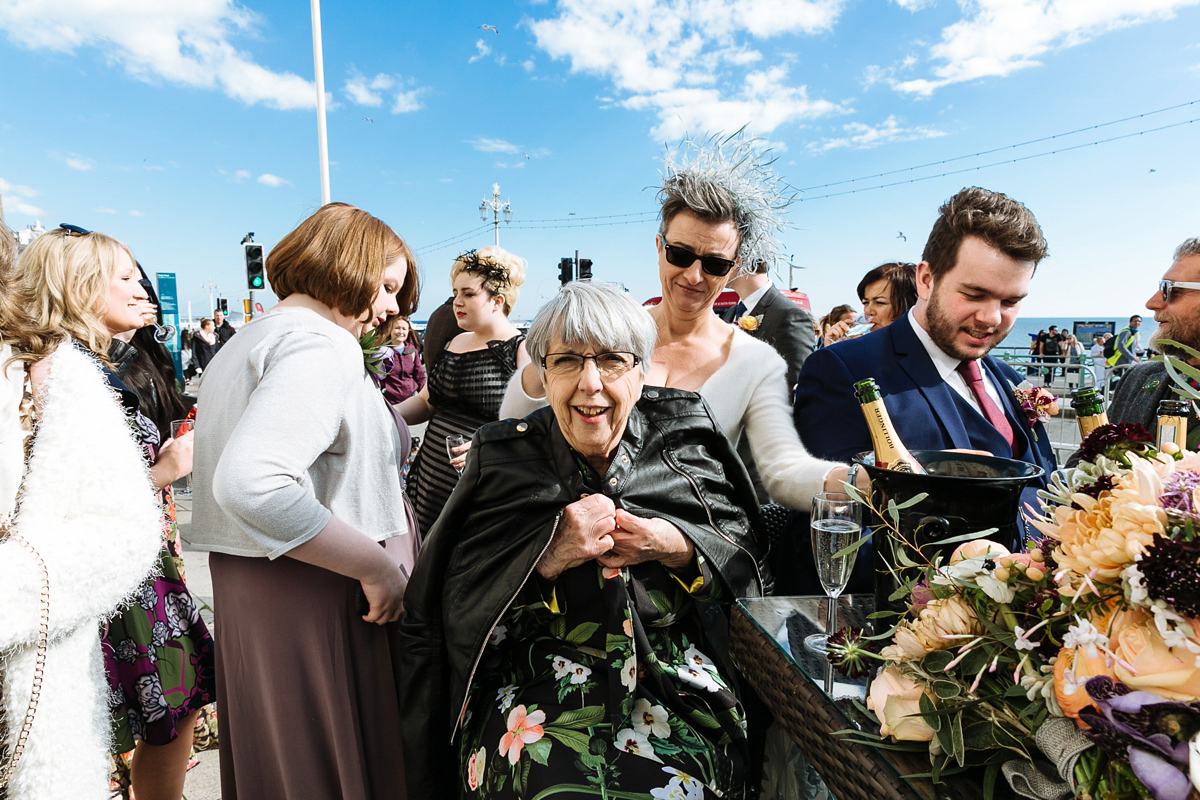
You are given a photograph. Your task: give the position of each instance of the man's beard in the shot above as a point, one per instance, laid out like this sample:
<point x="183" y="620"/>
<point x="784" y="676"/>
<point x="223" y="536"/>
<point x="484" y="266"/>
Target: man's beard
<point x="1178" y="330"/>
<point x="943" y="331"/>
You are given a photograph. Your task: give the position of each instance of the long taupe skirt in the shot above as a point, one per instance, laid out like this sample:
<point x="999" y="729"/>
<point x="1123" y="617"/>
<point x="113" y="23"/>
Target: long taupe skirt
<point x="306" y="690"/>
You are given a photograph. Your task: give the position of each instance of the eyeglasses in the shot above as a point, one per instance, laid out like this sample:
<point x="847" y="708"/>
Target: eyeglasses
<point x="609" y="365"/>
<point x="1166" y="286"/>
<point x="682" y="257"/>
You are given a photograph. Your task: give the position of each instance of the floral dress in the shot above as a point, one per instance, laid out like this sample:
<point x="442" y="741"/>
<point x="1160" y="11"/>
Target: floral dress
<point x="158" y="653"/>
<point x="602" y="684"/>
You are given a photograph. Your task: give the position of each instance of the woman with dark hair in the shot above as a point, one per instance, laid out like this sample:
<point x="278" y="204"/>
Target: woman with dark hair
<point x="298" y="497"/>
<point x="888" y="292"/>
<point x="834" y="325"/>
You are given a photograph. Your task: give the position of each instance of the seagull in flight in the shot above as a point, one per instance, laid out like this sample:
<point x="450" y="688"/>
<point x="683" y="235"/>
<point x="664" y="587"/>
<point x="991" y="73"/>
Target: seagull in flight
<point x="527" y="158"/>
<point x="900" y="235"/>
<point x="491" y="28"/>
<point x="368" y="119"/>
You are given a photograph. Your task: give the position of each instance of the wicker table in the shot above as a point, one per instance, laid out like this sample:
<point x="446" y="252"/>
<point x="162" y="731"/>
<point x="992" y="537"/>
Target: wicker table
<point x="766" y="642"/>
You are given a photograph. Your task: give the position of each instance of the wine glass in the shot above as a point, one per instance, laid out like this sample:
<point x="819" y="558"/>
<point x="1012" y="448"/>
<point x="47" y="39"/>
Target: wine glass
<point x="453" y="441"/>
<point x="836" y="523"/>
<point x="178" y="428"/>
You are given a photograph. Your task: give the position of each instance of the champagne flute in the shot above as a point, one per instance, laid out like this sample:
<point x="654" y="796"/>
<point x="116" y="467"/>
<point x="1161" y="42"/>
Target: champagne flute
<point x="453" y="441"/>
<point x="836" y="523"/>
<point x="178" y="428"/>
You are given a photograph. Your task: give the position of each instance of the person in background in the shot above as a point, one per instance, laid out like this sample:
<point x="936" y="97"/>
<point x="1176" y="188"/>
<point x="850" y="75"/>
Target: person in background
<point x="1126" y="349"/>
<point x="224" y="330"/>
<point x="1176" y="308"/>
<point x="888" y="292"/>
<point x="1099" y="367"/>
<point x="406" y="376"/>
<point x="767" y="315"/>
<point x="1073" y="354"/>
<point x="1050" y="352"/>
<point x="836" y="324"/>
<point x="441" y="327"/>
<point x="204" y="344"/>
<point x="158" y="653"/>
<point x="941" y="388"/>
<point x="298" y="499"/>
<point x="467" y="382"/>
<point x="579" y="579"/>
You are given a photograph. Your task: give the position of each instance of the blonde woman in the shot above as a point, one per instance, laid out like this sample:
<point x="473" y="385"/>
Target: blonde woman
<point x="467" y="382"/>
<point x="72" y="292"/>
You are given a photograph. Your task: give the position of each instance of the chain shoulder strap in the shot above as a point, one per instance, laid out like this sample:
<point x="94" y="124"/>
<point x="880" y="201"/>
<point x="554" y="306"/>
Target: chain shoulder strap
<point x="7" y="531"/>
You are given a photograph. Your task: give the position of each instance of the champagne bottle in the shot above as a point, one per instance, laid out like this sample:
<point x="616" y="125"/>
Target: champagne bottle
<point x="1089" y="410"/>
<point x="890" y="452"/>
<point x="1172" y="422"/>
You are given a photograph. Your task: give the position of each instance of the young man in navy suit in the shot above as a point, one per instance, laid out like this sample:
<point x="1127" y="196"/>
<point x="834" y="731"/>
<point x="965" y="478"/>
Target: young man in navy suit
<point x="974" y="273"/>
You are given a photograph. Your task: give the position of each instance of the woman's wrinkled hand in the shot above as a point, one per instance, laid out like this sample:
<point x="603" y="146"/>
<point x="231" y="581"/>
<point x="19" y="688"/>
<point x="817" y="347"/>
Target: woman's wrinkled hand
<point x="585" y="532"/>
<point x="640" y="539"/>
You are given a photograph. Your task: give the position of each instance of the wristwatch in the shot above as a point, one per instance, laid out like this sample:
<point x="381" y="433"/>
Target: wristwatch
<point x="852" y="475"/>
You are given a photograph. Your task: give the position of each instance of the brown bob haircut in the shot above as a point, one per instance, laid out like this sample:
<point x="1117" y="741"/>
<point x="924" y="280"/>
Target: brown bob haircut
<point x="337" y="256"/>
<point x="901" y="278"/>
<point x="997" y="219"/>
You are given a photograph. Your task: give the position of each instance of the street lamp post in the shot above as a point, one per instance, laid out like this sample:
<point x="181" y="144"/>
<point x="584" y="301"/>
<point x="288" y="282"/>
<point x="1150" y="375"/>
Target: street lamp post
<point x="496" y="207"/>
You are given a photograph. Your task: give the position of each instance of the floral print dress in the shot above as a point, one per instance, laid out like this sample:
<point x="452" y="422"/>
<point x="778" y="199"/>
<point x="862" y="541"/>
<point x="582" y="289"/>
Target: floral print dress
<point x="602" y="685"/>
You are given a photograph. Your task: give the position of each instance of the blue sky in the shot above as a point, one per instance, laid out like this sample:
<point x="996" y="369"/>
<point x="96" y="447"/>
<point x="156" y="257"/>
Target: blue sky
<point x="179" y="126"/>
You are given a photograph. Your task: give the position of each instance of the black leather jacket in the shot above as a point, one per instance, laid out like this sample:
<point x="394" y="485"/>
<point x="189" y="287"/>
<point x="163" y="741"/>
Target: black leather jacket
<point x="673" y="462"/>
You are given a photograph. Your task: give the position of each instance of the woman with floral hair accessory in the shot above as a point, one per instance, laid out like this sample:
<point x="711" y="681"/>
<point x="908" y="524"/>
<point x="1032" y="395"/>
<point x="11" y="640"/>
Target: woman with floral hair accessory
<point x="467" y="382"/>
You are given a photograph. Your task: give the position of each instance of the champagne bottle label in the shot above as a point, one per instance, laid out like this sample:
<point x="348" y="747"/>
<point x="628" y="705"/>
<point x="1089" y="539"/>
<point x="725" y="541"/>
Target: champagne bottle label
<point x="890" y="452"/>
<point x="1172" y="423"/>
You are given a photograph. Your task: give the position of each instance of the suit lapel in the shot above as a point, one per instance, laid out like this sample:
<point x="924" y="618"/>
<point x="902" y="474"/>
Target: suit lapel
<point x="914" y="360"/>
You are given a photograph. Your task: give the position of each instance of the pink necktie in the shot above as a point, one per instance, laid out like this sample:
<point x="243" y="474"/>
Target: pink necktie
<point x="971" y="374"/>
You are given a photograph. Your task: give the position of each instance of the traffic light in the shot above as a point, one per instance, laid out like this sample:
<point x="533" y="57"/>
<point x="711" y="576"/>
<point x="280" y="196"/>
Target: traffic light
<point x="255" y="278"/>
<point x="566" y="270"/>
<point x="585" y="269"/>
<point x="223" y="304"/>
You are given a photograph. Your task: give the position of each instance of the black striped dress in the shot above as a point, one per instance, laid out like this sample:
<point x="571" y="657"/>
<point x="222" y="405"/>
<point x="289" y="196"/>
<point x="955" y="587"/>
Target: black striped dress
<point x="465" y="390"/>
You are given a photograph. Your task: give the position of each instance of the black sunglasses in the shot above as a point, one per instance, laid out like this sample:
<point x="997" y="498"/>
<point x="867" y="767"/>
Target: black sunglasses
<point x="682" y="257"/>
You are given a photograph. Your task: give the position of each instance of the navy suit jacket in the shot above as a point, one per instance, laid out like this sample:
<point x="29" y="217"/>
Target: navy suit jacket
<point x="926" y="412"/>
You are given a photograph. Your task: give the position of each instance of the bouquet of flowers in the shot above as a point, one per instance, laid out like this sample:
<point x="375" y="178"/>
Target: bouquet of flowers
<point x="1082" y="651"/>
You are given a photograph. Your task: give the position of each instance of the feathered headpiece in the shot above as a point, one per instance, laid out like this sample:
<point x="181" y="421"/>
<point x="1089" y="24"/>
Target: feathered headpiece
<point x="742" y="169"/>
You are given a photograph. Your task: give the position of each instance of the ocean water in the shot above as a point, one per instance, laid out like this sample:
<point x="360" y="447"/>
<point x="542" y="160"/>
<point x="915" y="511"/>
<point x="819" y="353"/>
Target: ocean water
<point x="1027" y="327"/>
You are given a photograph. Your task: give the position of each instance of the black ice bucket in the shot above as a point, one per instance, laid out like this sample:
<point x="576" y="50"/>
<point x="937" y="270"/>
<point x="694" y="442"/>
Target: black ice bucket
<point x="966" y="493"/>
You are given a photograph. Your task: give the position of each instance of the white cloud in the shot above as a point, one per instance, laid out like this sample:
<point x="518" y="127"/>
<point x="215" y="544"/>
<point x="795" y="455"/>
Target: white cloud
<point x="267" y="179"/>
<point x="528" y="65"/>
<point x="187" y="44"/>
<point x="690" y="63"/>
<point x="15" y="198"/>
<point x="79" y="163"/>
<point x="105" y="210"/>
<point x="242" y="174"/>
<point x="371" y="92"/>
<point x="999" y="37"/>
<point x="482" y="50"/>
<point x="485" y="145"/>
<point x="914" y="5"/>
<point x="136" y="213"/>
<point x="862" y="137"/>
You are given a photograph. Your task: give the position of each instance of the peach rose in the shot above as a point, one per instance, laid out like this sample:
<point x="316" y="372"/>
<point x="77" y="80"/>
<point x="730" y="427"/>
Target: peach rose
<point x="976" y="548"/>
<point x="1072" y="670"/>
<point x="940" y="625"/>
<point x="1146" y="662"/>
<point x="896" y="700"/>
<point x="748" y="323"/>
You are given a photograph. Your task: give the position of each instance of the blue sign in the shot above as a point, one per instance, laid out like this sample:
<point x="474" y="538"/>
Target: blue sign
<point x="169" y="305"/>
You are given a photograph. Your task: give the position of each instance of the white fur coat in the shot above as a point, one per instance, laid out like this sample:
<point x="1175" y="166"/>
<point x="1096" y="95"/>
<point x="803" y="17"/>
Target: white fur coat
<point x="90" y="511"/>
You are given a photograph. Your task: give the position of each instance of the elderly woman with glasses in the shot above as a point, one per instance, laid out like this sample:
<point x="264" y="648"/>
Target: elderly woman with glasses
<point x="560" y="627"/>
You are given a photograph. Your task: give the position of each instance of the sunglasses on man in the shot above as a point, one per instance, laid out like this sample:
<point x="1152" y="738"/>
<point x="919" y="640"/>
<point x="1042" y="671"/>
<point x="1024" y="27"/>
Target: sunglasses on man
<point x="682" y="257"/>
<point x="1166" y="288"/>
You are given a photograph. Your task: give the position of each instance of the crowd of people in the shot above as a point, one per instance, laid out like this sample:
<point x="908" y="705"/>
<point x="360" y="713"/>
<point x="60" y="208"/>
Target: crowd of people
<point x="539" y="607"/>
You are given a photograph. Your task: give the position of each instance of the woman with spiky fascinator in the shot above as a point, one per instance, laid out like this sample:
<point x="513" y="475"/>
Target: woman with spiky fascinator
<point x="722" y="203"/>
<point x="728" y="178"/>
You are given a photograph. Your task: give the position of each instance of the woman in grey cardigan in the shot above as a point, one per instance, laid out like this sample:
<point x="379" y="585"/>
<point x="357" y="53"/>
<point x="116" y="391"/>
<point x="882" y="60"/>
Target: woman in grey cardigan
<point x="297" y="485"/>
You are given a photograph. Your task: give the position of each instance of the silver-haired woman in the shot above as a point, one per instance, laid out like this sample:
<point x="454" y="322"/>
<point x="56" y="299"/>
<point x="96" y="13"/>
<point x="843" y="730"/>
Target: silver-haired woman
<point x="553" y="628"/>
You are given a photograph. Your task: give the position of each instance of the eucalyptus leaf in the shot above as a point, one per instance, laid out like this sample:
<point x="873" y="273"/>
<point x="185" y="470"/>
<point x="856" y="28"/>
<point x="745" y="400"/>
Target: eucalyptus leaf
<point x="909" y="503"/>
<point x="966" y="537"/>
<point x="850" y="548"/>
<point x="946" y="690"/>
<point x="956" y="739"/>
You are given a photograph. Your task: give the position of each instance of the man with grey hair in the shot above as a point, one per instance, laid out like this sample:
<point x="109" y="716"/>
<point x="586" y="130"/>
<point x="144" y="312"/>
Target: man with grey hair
<point x="1176" y="307"/>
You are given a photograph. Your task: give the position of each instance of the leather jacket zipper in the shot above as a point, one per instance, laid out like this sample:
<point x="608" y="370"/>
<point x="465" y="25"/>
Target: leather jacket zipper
<point x="475" y="665"/>
<point x="708" y="510"/>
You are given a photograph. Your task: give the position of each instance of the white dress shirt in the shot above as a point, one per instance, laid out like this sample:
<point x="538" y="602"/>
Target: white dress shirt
<point x="947" y="367"/>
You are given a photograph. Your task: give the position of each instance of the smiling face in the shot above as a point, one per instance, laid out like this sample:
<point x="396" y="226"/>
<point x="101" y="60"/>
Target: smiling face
<point x="877" y="304"/>
<point x="689" y="291"/>
<point x="400" y="334"/>
<point x="474" y="306"/>
<point x="385" y="304"/>
<point x="1178" y="320"/>
<point x="591" y="410"/>
<point x="126" y="298"/>
<point x="975" y="304"/>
